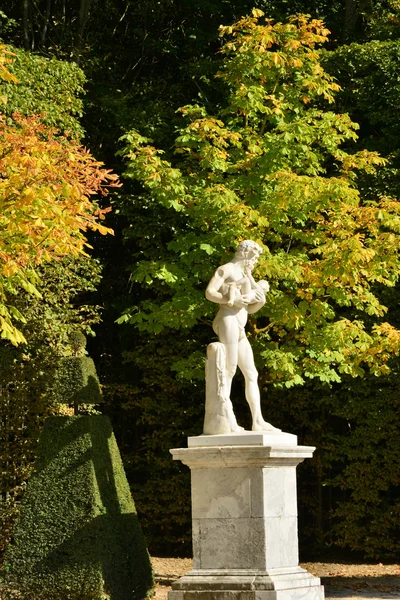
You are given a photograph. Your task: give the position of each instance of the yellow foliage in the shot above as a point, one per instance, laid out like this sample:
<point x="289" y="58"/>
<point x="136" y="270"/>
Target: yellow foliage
<point x="45" y="202"/>
<point x="4" y="60"/>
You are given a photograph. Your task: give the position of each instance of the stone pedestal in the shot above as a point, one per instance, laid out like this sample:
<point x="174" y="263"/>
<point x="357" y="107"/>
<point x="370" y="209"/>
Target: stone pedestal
<point x="244" y="517"/>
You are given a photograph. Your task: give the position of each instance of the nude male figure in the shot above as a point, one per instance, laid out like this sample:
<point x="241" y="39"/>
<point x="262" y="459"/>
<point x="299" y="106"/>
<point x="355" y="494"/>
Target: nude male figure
<point x="231" y="319"/>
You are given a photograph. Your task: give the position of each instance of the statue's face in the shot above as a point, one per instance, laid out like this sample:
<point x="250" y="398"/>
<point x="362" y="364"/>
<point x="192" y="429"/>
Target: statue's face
<point x="252" y="259"/>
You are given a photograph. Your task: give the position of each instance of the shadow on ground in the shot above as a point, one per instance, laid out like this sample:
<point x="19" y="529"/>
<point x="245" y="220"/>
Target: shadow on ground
<point x="389" y="584"/>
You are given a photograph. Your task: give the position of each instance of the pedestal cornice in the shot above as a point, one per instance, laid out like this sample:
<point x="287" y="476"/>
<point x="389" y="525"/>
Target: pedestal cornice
<point x="242" y="456"/>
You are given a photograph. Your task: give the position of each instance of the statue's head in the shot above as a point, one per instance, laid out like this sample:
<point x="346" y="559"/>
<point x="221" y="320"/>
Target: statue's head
<point x="264" y="285"/>
<point x="248" y="249"/>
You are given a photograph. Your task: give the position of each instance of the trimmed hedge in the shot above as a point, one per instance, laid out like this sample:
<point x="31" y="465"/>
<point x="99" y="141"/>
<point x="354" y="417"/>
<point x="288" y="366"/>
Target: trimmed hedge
<point x="78" y="534"/>
<point x="48" y="87"/>
<point x="77" y="381"/>
<point x="23" y="408"/>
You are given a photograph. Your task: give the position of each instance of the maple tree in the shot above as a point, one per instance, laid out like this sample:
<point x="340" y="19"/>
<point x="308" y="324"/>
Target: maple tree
<point x="47" y="184"/>
<point x="5" y="60"/>
<point x="270" y="165"/>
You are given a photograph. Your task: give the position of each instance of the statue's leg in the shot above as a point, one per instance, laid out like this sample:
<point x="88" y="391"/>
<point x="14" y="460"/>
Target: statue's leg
<point x="228" y="333"/>
<point x="247" y="367"/>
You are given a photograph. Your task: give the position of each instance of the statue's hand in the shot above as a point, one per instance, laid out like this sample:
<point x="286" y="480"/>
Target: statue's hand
<point x="247" y="270"/>
<point x="241" y="302"/>
<point x="255" y="296"/>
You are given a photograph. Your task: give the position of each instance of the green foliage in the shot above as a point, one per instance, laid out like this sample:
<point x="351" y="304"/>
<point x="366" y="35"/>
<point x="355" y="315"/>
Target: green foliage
<point x="65" y="304"/>
<point x="77" y="341"/>
<point x="368" y="75"/>
<point x="367" y="519"/>
<point x="7" y="25"/>
<point x="270" y="166"/>
<point x="349" y="492"/>
<point x="22" y="411"/>
<point x="152" y="415"/>
<point x="29" y="373"/>
<point x="77" y="381"/>
<point x="383" y="20"/>
<point x="78" y="534"/>
<point x="49" y="87"/>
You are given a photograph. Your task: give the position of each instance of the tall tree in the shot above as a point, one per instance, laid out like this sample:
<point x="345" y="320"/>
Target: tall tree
<point x="262" y="160"/>
<point x="45" y="198"/>
<point x="47" y="279"/>
<point x="270" y="166"/>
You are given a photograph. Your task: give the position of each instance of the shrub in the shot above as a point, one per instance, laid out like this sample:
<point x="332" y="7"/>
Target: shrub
<point x="78" y="534"/>
<point x="77" y="381"/>
<point x="48" y="87"/>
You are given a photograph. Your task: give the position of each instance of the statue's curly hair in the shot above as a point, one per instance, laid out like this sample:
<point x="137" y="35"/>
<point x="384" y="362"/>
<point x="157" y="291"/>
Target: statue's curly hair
<point x="247" y="246"/>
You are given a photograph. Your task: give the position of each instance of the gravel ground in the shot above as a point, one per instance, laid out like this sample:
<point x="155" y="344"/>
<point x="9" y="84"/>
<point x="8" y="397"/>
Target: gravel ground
<point x="349" y="581"/>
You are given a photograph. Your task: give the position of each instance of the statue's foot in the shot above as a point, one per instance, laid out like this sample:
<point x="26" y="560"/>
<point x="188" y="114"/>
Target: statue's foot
<point x="262" y="425"/>
<point x="236" y="428"/>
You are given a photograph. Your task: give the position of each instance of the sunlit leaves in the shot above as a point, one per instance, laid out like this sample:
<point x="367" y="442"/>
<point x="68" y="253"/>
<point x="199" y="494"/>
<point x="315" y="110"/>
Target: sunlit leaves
<point x="273" y="70"/>
<point x="47" y="184"/>
<point x="272" y="166"/>
<point x="50" y="88"/>
<point x="5" y="61"/>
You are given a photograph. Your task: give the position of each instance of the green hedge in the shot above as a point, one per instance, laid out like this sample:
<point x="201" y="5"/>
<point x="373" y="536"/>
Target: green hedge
<point x="77" y="381"/>
<point x="48" y="87"/>
<point x="78" y="534"/>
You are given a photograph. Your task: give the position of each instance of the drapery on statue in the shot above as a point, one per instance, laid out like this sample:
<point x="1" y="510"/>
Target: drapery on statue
<point x="234" y="289"/>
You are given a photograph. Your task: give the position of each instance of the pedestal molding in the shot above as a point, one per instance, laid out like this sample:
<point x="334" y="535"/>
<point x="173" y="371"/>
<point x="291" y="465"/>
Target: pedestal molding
<point x="212" y="457"/>
<point x="235" y="580"/>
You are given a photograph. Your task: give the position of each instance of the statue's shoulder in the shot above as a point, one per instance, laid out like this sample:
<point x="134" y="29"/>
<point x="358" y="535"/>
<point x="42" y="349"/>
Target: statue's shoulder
<point x="225" y="270"/>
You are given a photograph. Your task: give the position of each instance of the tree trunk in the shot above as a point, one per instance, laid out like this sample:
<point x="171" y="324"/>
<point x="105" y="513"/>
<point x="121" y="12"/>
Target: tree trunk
<point x="83" y="18"/>
<point x="351" y="16"/>
<point x="46" y="23"/>
<point x="25" y="23"/>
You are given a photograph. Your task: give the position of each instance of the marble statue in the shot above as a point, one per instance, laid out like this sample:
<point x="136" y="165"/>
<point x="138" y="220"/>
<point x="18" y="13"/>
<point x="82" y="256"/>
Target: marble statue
<point x="238" y="295"/>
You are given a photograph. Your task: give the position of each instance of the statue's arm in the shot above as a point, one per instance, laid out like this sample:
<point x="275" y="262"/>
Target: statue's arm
<point x="253" y="283"/>
<point x="258" y="302"/>
<point x="253" y="308"/>
<point x="213" y="292"/>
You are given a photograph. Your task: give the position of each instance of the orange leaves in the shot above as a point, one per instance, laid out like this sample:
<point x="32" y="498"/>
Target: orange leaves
<point x="4" y="60"/>
<point x="312" y="31"/>
<point x="46" y="186"/>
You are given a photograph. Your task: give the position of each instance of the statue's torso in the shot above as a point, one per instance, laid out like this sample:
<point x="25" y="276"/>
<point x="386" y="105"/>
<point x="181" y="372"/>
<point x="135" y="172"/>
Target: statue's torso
<point x="231" y="313"/>
<point x="234" y="273"/>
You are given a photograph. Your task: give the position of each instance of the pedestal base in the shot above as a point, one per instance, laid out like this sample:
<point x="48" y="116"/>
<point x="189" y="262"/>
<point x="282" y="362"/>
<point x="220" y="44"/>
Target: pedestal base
<point x="279" y="584"/>
<point x="244" y="519"/>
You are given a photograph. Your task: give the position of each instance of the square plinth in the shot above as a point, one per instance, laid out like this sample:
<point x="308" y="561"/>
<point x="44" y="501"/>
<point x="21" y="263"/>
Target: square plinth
<point x="244" y="519"/>
<point x="244" y="438"/>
